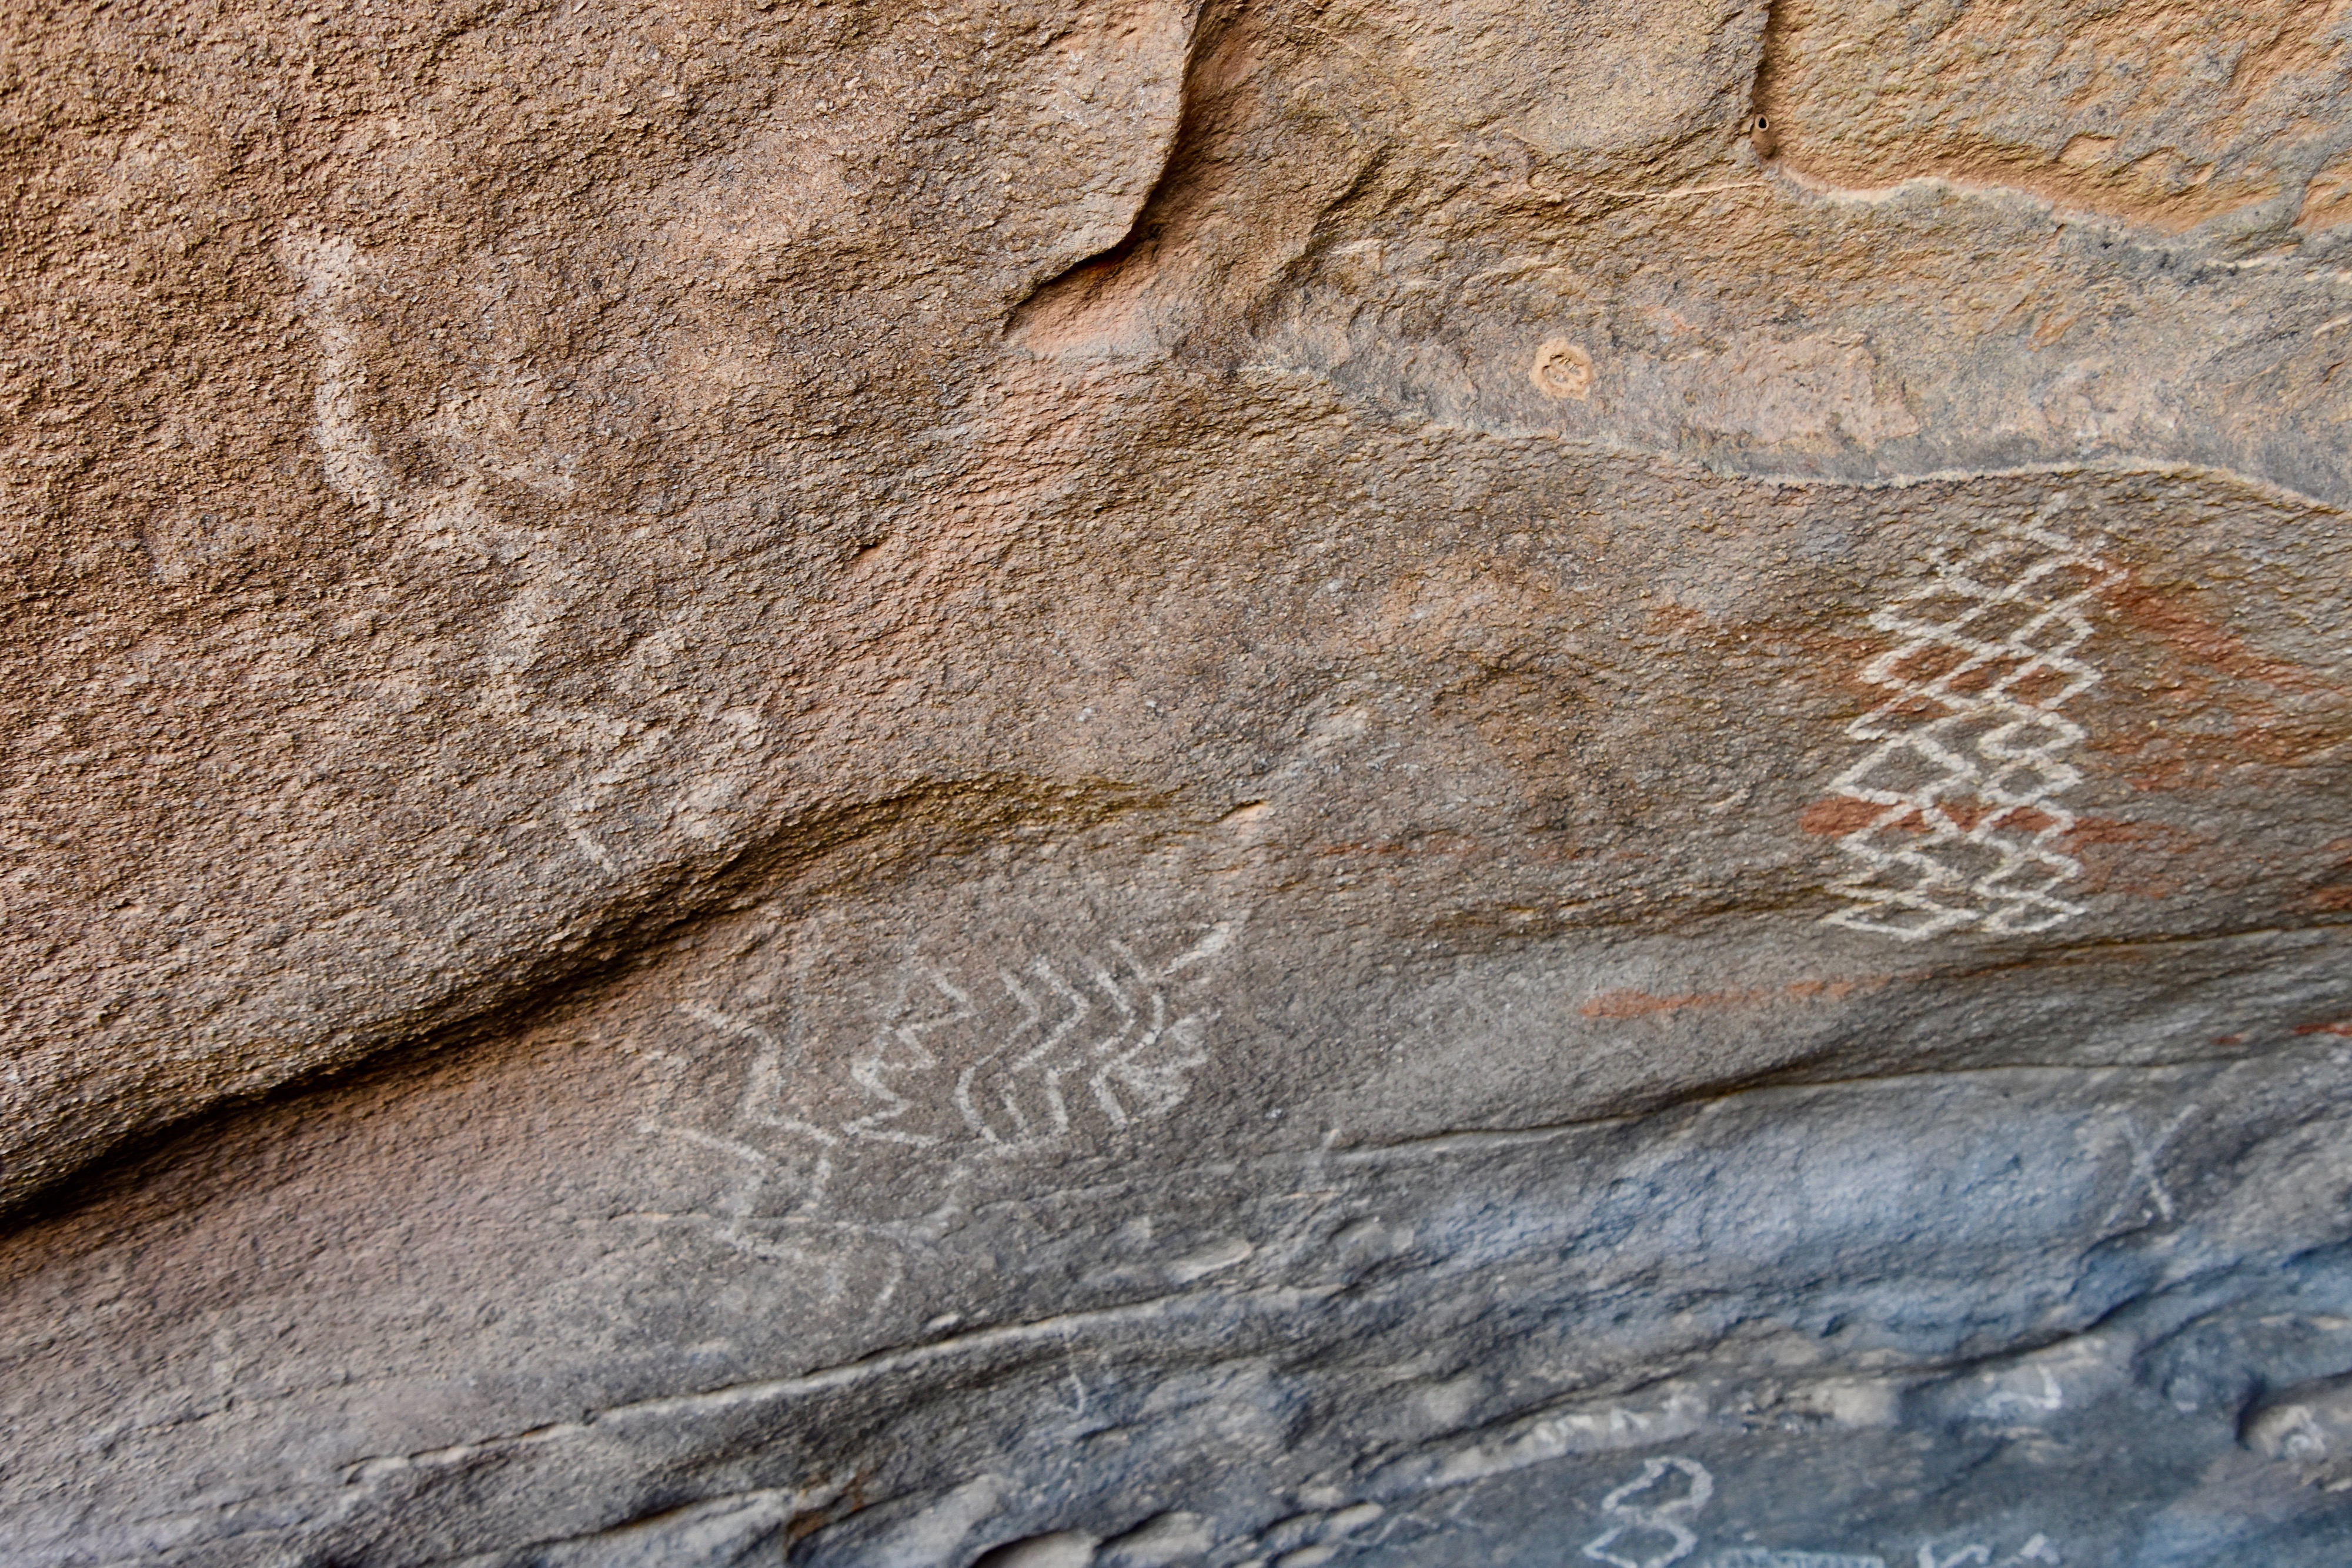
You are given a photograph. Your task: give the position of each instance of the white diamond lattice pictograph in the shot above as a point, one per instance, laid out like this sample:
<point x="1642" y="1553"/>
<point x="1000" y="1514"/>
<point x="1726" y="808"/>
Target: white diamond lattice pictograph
<point x="1966" y="753"/>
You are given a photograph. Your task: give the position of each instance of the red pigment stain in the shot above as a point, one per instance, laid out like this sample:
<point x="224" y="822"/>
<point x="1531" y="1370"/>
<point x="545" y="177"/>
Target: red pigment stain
<point x="1629" y="1004"/>
<point x="2341" y="1026"/>
<point x="1841" y="815"/>
<point x="2042" y="683"/>
<point x="2141" y="860"/>
<point x="1966" y="813"/>
<point x="2089" y="831"/>
<point x="2203" y="640"/>
<point x="1835" y="818"/>
<point x="2215" y="669"/>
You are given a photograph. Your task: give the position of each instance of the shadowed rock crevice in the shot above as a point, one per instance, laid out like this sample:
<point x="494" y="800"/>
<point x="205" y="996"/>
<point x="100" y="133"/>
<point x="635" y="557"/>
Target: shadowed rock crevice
<point x="803" y="862"/>
<point x="1088" y="276"/>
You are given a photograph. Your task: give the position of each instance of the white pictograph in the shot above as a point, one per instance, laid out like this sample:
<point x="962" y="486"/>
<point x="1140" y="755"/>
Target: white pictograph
<point x="2144" y="1190"/>
<point x="1108" y="1026"/>
<point x="1967" y="752"/>
<point x="2051" y="1397"/>
<point x="1009" y="1061"/>
<point x="1638" y="1526"/>
<point x="1044" y="1043"/>
<point x="958" y="1069"/>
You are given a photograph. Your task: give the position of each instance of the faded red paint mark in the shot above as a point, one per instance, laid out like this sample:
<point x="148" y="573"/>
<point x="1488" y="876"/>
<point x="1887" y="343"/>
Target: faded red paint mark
<point x="1842" y="814"/>
<point x="2089" y="831"/>
<point x="2341" y="1026"/>
<point x="1965" y="811"/>
<point x="2141" y="859"/>
<point x="1633" y="1004"/>
<point x="2039" y="687"/>
<point x="2277" y="712"/>
<point x="1838" y="816"/>
<point x="2209" y="645"/>
<point x="2229" y="1039"/>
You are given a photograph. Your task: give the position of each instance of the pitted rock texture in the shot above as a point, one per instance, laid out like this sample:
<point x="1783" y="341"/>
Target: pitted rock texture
<point x="1121" y="784"/>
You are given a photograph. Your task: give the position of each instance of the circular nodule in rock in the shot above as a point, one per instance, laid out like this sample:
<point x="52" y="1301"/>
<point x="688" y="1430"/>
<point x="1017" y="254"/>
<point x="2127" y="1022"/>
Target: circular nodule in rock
<point x="1562" y="368"/>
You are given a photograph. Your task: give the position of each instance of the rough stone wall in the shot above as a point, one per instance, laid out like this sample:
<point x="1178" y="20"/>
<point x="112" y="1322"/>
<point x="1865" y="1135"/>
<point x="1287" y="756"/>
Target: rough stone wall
<point x="1288" y="783"/>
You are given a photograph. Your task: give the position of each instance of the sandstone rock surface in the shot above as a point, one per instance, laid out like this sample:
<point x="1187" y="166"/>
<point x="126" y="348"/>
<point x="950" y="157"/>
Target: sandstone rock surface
<point x="1277" y="783"/>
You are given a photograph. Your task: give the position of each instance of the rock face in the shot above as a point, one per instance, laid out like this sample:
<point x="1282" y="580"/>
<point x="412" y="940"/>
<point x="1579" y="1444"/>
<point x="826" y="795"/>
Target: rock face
<point x="903" y="785"/>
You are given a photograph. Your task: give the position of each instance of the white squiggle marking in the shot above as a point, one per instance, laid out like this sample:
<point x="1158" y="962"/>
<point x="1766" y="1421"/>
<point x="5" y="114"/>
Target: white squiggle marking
<point x="1964" y="765"/>
<point x="333" y="273"/>
<point x="762" y="1168"/>
<point x="1663" y="1518"/>
<point x="764" y="1090"/>
<point x="1042" y="1060"/>
<point x="1208" y="947"/>
<point x="1134" y="1058"/>
<point x="743" y="1152"/>
<point x="1979" y="1554"/>
<point x="824" y="1250"/>
<point x="2052" y="1397"/>
<point x="971" y="1116"/>
<point x="868" y="1071"/>
<point x="339" y="278"/>
<point x="2144" y="1167"/>
<point x="943" y="1045"/>
<point x="763" y="1095"/>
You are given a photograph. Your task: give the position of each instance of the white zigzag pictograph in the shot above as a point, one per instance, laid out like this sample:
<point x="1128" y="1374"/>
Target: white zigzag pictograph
<point x="1081" y="1037"/>
<point x="1965" y="760"/>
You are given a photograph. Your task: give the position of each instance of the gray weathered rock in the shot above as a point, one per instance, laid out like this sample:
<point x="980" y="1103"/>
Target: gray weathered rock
<point x="892" y="785"/>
